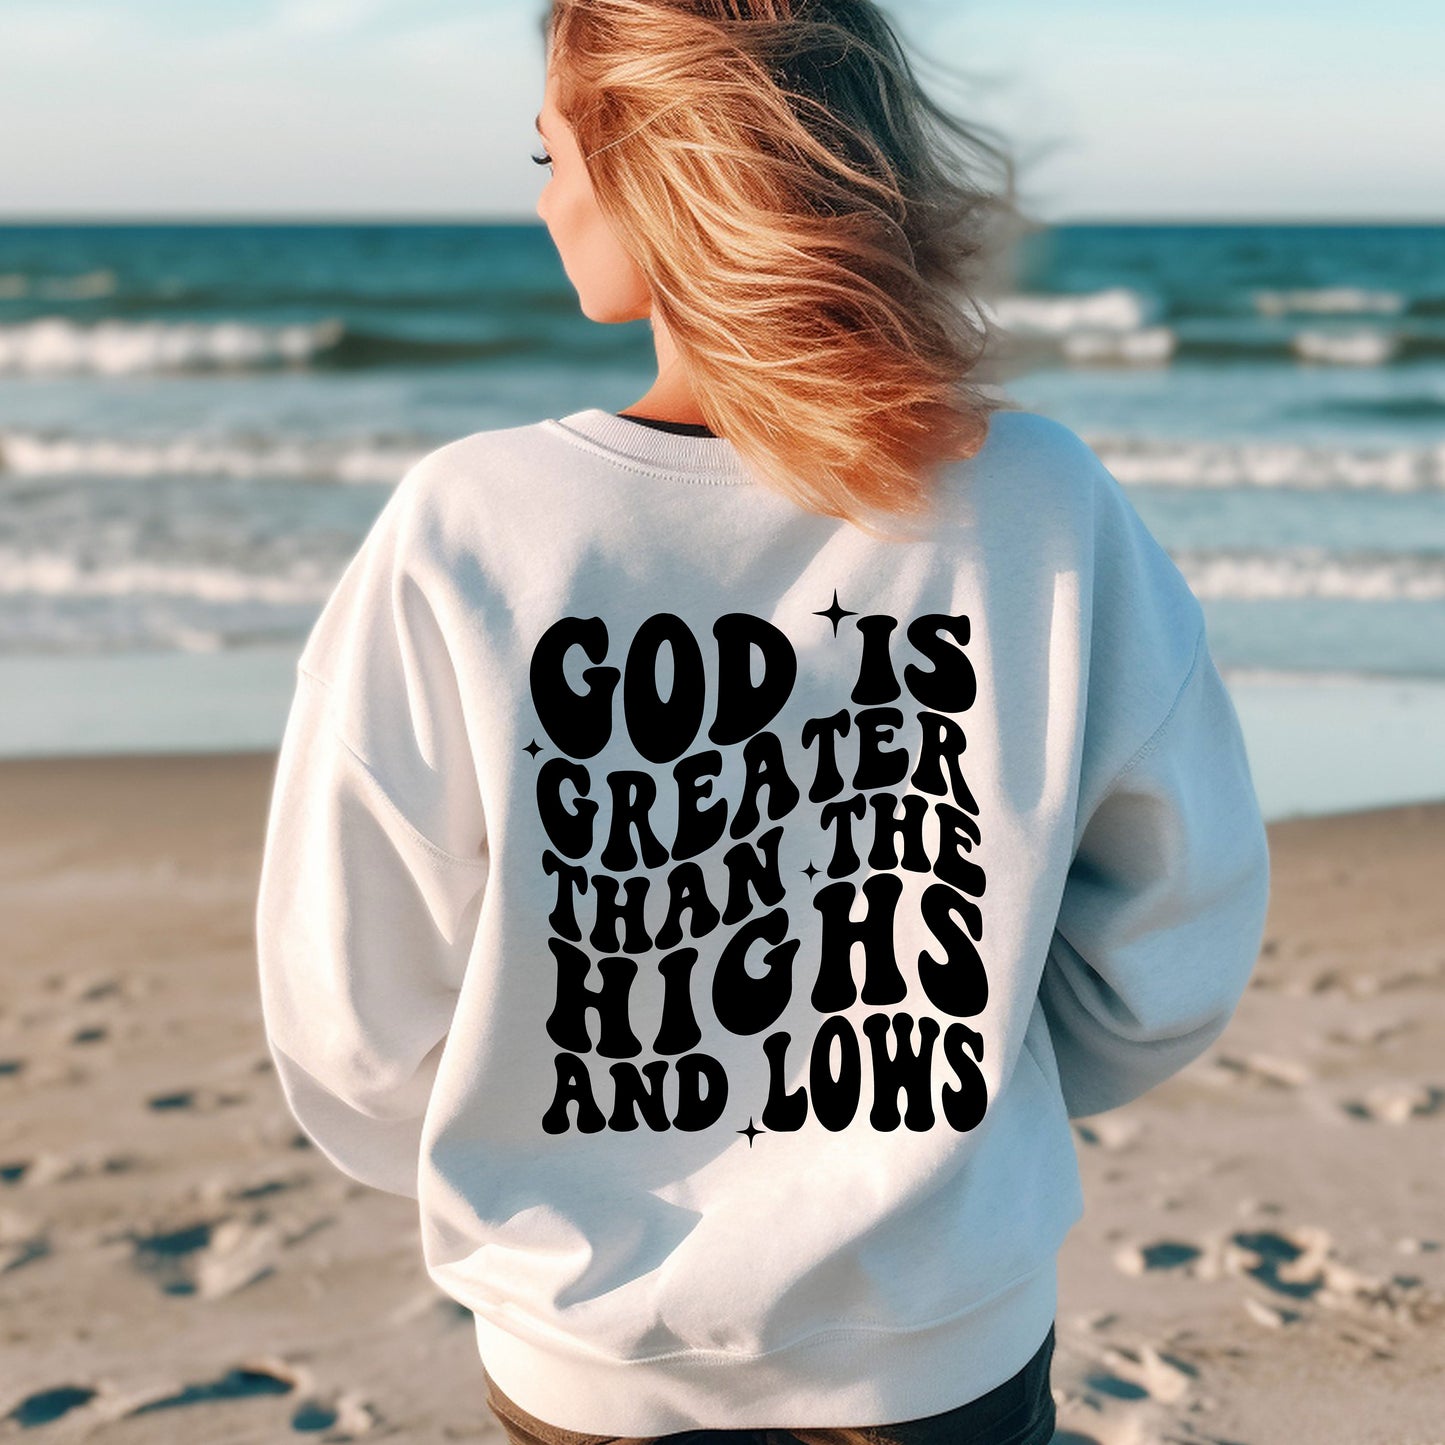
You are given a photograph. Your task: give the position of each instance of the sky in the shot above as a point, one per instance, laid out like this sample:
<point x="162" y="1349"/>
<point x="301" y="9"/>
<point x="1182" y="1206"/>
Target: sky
<point x="1116" y="109"/>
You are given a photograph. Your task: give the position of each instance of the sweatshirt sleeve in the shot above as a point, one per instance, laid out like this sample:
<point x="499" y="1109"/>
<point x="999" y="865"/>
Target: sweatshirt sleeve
<point x="1163" y="909"/>
<point x="374" y="866"/>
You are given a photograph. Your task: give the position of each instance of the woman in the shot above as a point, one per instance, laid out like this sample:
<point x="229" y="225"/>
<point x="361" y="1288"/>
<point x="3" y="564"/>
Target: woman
<point x="716" y="848"/>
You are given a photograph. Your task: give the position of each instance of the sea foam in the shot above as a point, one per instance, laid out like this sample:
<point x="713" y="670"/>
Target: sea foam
<point x="34" y="454"/>
<point x="1314" y="572"/>
<point x="1329" y="301"/>
<point x="1286" y="465"/>
<point x="53" y="344"/>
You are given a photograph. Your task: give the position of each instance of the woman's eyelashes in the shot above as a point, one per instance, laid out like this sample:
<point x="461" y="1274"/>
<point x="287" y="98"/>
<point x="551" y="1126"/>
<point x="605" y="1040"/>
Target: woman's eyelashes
<point x="542" y="159"/>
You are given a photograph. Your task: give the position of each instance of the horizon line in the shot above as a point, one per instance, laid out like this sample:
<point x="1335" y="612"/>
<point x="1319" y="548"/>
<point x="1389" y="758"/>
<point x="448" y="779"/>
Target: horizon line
<point x="441" y="218"/>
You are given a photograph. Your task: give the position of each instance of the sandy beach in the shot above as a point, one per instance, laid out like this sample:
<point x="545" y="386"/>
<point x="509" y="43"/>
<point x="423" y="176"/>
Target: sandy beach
<point x="1262" y="1261"/>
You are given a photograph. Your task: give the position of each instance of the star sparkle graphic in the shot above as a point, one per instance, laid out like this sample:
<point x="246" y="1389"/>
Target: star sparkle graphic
<point x="533" y="747"/>
<point x="835" y="614"/>
<point x="750" y="1131"/>
<point x="810" y="871"/>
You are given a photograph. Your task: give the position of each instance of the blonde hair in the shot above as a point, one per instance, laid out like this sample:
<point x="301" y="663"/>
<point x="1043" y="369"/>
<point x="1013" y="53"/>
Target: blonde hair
<point x="770" y="166"/>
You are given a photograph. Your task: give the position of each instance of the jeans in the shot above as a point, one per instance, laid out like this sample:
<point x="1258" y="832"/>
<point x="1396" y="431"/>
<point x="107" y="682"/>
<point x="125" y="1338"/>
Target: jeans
<point x="1018" y="1412"/>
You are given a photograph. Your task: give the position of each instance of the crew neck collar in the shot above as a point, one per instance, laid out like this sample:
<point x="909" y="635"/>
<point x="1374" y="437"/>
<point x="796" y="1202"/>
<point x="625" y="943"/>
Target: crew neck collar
<point x="639" y="447"/>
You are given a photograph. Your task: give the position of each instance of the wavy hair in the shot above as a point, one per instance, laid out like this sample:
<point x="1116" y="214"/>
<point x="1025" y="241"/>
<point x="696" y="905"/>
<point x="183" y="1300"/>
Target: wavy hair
<point x="809" y="236"/>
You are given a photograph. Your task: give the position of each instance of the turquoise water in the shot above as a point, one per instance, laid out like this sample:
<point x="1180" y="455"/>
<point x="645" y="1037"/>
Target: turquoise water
<point x="198" y="423"/>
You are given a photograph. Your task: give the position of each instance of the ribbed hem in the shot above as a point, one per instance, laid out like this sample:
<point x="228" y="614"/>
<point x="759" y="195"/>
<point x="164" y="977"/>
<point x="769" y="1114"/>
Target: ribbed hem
<point x="834" y="1379"/>
<point x="644" y="448"/>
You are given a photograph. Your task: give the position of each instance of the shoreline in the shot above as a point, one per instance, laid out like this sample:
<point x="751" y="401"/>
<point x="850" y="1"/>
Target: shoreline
<point x="1318" y="744"/>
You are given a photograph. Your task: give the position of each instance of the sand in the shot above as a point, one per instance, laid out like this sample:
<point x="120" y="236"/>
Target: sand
<point x="1262" y="1261"/>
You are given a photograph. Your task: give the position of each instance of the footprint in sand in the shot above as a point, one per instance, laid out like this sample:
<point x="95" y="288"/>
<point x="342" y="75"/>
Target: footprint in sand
<point x="204" y="1100"/>
<point x="245" y="1382"/>
<point x="1273" y="1317"/>
<point x="1254" y="1070"/>
<point x="210" y="1258"/>
<point x="1295" y="1263"/>
<point x="88" y="987"/>
<point x="1163" y="1254"/>
<point x="1396" y="1102"/>
<point x="49" y="1167"/>
<point x="47" y="1406"/>
<point x="88" y="992"/>
<point x="1123" y="1396"/>
<point x="1411" y="1244"/>
<point x="1369" y="985"/>
<point x="1289" y="1263"/>
<point x="346" y="1416"/>
<point x="1110" y="1131"/>
<point x="1431" y="975"/>
<point x="1299" y="1264"/>
<point x="1148" y="1372"/>
<point x="22" y="1242"/>
<point x="262" y="1189"/>
<point x="1367" y="1035"/>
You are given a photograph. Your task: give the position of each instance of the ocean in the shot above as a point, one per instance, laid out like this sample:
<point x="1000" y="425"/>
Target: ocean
<point x="199" y="422"/>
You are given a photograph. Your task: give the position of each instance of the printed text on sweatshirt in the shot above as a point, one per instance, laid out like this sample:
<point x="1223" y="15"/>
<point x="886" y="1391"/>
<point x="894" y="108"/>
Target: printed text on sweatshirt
<point x="713" y="916"/>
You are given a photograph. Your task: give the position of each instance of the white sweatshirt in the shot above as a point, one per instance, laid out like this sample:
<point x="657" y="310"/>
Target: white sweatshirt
<point x="593" y="750"/>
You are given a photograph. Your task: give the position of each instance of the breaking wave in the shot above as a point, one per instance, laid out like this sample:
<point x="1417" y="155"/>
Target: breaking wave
<point x="33" y="454"/>
<point x="1289" y="465"/>
<point x="54" y="345"/>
